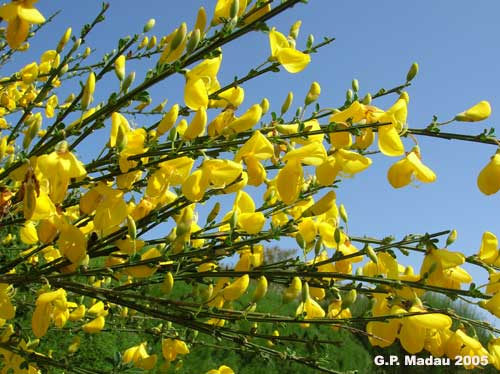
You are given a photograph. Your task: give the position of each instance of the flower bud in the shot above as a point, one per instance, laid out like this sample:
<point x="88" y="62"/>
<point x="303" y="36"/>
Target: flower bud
<point x="86" y="53"/>
<point x="179" y="36"/>
<point x="367" y="99"/>
<point x="451" y="237"/>
<point x="294" y="30"/>
<point x="120" y="67"/>
<point x="310" y="41"/>
<point x="144" y="42"/>
<point x="235" y="7"/>
<point x="305" y="292"/>
<point x="193" y="41"/>
<point x="128" y="81"/>
<point x="343" y="213"/>
<point x="260" y="290"/>
<point x="349" y="95"/>
<point x="152" y="43"/>
<point x="264" y="105"/>
<point x="64" y="39"/>
<point x="213" y="213"/>
<point x="76" y="44"/>
<point x="300" y="240"/>
<point x="355" y="85"/>
<point x="131" y="227"/>
<point x="35" y="123"/>
<point x="313" y="94"/>
<point x="88" y="91"/>
<point x="318" y="246"/>
<point x="201" y="20"/>
<point x="168" y="283"/>
<point x="337" y="236"/>
<point x="412" y="72"/>
<point x="371" y="254"/>
<point x="349" y="298"/>
<point x="149" y="25"/>
<point x="478" y="112"/>
<point x="168" y="120"/>
<point x="64" y="70"/>
<point x="287" y="103"/>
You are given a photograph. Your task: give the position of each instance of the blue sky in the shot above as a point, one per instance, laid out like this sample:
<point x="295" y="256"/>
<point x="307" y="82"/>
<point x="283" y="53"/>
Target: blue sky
<point x="455" y="43"/>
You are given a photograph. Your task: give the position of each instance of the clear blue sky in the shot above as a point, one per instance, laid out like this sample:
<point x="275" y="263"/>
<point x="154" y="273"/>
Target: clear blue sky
<point x="455" y="43"/>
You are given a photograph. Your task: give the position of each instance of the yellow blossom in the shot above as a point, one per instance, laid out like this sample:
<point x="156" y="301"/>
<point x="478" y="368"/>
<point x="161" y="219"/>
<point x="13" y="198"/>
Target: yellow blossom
<point x="489" y="252"/>
<point x="50" y="306"/>
<point x="173" y="347"/>
<point x="221" y="370"/>
<point x="59" y="167"/>
<point x="478" y="112"/>
<point x="292" y="60"/>
<point x="236" y="289"/>
<point x="402" y="172"/>
<point x="140" y="357"/>
<point x="488" y="180"/>
<point x="95" y="326"/>
<point x="20" y="15"/>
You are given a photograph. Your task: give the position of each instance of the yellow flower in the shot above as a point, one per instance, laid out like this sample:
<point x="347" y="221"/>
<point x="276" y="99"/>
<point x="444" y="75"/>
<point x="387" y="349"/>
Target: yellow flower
<point x="258" y="147"/>
<point x="494" y="349"/>
<point x="250" y="258"/>
<point x="134" y="144"/>
<point x="292" y="291"/>
<point x="108" y="204"/>
<point x="173" y="347"/>
<point x="321" y="206"/>
<point x="171" y="173"/>
<point x="309" y="308"/>
<point x="197" y="126"/>
<point x="200" y="82"/>
<point x="478" y="112"/>
<point x="411" y="335"/>
<point x="281" y="50"/>
<point x="29" y="73"/>
<point x="49" y="306"/>
<point x="289" y="181"/>
<point x="139" y="357"/>
<point x="489" y="178"/>
<point x="168" y="120"/>
<point x="236" y="289"/>
<point x="402" y="172"/>
<point x="441" y="268"/>
<point x="343" y="162"/>
<point x="176" y="44"/>
<point x="389" y="141"/>
<point x="19" y="15"/>
<point x="232" y="97"/>
<point x="216" y="173"/>
<point x="78" y="313"/>
<point x="383" y="334"/>
<point x="119" y="128"/>
<point x="120" y="67"/>
<point x="94" y="326"/>
<point x="221" y="370"/>
<point x="312" y="125"/>
<point x="88" y="91"/>
<point x="223" y="10"/>
<point x="7" y="310"/>
<point x="144" y="271"/>
<point x="72" y="243"/>
<point x="59" y="167"/>
<point x="488" y="252"/>
<point x="248" y="120"/>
